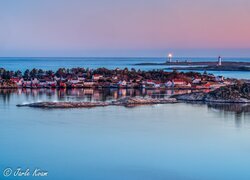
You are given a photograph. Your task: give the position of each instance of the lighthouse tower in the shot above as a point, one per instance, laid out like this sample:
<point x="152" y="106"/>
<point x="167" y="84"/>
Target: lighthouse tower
<point x="219" y="60"/>
<point x="170" y="56"/>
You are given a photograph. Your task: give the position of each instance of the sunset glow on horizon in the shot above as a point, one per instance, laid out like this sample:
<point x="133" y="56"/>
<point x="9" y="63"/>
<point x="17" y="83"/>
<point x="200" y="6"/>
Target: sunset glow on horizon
<point x="149" y="27"/>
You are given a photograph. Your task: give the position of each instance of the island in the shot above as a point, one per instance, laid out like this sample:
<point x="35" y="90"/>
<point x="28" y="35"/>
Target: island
<point x="238" y="93"/>
<point x="127" y="102"/>
<point x="110" y="78"/>
<point x="203" y="65"/>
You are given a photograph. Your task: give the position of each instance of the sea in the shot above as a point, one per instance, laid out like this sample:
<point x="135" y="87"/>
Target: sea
<point x="153" y="142"/>
<point x="53" y="63"/>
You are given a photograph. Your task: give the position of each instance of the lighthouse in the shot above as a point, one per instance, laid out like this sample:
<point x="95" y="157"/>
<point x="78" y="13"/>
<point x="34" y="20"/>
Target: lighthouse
<point x="170" y="57"/>
<point x="219" y="61"/>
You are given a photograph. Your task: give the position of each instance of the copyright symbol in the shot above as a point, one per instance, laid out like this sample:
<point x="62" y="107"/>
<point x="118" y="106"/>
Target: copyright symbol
<point x="7" y="172"/>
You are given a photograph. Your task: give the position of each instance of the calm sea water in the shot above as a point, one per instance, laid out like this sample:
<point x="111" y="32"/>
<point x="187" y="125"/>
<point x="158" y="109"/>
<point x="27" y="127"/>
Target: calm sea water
<point x="54" y="63"/>
<point x="174" y="141"/>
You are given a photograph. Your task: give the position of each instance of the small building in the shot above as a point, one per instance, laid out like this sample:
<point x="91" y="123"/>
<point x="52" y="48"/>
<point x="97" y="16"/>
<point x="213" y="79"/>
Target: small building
<point x="150" y="82"/>
<point x="157" y="85"/>
<point x="15" y="79"/>
<point x="62" y="85"/>
<point x="169" y="84"/>
<point x="81" y="78"/>
<point x="74" y="81"/>
<point x="96" y="77"/>
<point x="42" y="84"/>
<point x="196" y="81"/>
<point x="219" y="61"/>
<point x="122" y="83"/>
<point x="179" y="82"/>
<point x="219" y="78"/>
<point x="18" y="81"/>
<point x="51" y="83"/>
<point x="207" y="85"/>
<point x="88" y="84"/>
<point x="35" y="81"/>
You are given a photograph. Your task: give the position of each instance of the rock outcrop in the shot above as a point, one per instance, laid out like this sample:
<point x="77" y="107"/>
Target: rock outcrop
<point x="238" y="93"/>
<point x="127" y="101"/>
<point x="234" y="93"/>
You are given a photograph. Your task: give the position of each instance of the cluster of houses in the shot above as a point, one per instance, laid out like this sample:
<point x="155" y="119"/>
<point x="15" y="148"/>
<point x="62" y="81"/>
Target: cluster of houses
<point x="121" y="79"/>
<point x="195" y="83"/>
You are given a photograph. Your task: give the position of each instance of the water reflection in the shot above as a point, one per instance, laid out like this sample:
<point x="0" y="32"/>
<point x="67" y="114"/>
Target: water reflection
<point x="34" y="95"/>
<point x="85" y="94"/>
<point x="237" y="108"/>
<point x="241" y="112"/>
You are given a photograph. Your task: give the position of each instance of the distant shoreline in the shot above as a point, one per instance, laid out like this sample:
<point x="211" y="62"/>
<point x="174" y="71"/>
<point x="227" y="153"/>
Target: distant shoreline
<point x="205" y="65"/>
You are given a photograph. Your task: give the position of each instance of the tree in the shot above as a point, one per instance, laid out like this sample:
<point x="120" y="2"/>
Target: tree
<point x="27" y="74"/>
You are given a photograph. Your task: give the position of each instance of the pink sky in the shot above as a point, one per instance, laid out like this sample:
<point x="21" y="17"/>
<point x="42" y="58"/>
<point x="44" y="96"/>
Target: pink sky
<point x="74" y="27"/>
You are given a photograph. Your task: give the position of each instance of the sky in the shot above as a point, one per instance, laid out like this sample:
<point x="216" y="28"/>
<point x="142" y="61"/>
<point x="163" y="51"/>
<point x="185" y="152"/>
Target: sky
<point x="124" y="27"/>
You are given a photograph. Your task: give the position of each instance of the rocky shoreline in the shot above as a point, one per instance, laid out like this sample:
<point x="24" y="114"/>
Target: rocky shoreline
<point x="238" y="93"/>
<point x="127" y="102"/>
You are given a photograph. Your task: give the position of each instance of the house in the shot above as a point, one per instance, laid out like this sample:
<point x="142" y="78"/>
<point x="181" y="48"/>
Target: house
<point x="57" y="78"/>
<point x="179" y="82"/>
<point x="51" y="83"/>
<point x="33" y="86"/>
<point x="88" y="91"/>
<point x="122" y="83"/>
<point x="62" y="85"/>
<point x="27" y="83"/>
<point x="196" y="81"/>
<point x="79" y="85"/>
<point x="219" y="78"/>
<point x="74" y="81"/>
<point x="15" y="79"/>
<point x="169" y="84"/>
<point x="96" y="77"/>
<point x="138" y="79"/>
<point x="207" y="85"/>
<point x="18" y="81"/>
<point x="150" y="82"/>
<point x="157" y="84"/>
<point x="42" y="84"/>
<point x="81" y="78"/>
<point x="35" y="81"/>
<point x="88" y="84"/>
<point x="203" y="86"/>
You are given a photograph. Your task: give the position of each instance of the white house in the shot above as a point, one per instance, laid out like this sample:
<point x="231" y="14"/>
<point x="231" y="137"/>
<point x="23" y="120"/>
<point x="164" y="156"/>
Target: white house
<point x="179" y="82"/>
<point x="196" y="81"/>
<point x="96" y="77"/>
<point x="169" y="84"/>
<point x="219" y="78"/>
<point x="122" y="83"/>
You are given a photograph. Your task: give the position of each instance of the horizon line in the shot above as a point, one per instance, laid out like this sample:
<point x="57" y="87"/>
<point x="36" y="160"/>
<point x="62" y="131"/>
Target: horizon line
<point x="124" y="56"/>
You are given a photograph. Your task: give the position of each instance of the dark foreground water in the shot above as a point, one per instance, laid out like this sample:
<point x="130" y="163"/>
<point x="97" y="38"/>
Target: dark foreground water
<point x="173" y="141"/>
